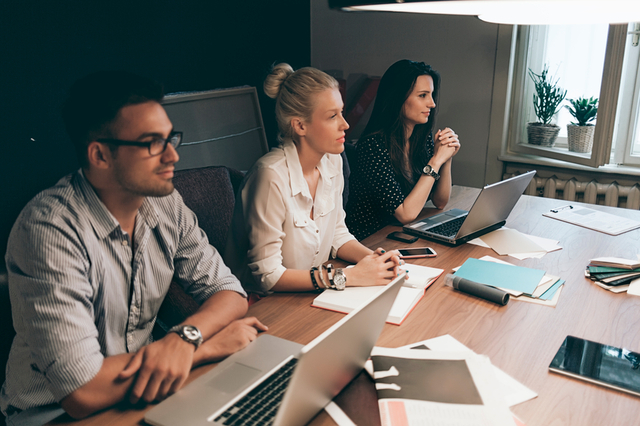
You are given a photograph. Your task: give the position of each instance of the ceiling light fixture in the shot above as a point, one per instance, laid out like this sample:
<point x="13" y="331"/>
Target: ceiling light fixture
<point x="522" y="12"/>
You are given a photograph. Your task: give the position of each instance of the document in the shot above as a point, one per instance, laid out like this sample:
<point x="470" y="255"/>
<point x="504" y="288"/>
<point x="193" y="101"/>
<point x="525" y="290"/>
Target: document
<point x="501" y="275"/>
<point x="418" y="280"/>
<point x="547" y="245"/>
<point x="593" y="219"/>
<point x="426" y="387"/>
<point x="511" y="390"/>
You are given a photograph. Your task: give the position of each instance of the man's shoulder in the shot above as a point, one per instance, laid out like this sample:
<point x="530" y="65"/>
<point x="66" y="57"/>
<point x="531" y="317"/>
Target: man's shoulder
<point x="54" y="204"/>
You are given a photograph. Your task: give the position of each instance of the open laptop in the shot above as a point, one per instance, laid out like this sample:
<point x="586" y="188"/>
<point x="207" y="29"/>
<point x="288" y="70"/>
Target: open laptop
<point x="489" y="212"/>
<point x="309" y="376"/>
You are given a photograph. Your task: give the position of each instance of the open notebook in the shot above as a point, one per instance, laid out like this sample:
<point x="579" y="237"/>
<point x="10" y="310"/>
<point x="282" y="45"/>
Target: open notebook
<point x="419" y="278"/>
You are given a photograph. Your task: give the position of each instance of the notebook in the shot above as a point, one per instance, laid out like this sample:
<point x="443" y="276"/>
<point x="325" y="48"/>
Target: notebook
<point x="489" y="212"/>
<point x="306" y="378"/>
<point x="418" y="280"/>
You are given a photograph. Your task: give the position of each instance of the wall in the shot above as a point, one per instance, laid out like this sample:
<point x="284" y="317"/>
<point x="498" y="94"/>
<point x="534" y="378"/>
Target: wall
<point x="193" y="45"/>
<point x="461" y="48"/>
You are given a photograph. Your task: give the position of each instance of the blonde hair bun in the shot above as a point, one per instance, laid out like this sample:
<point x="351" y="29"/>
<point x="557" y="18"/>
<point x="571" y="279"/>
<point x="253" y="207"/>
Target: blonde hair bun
<point x="274" y="80"/>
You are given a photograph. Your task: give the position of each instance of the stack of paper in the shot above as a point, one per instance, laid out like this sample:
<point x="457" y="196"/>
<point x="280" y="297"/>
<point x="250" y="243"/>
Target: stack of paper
<point x="524" y="284"/>
<point x="441" y="381"/>
<point x="615" y="274"/>
<point x="505" y="241"/>
<point x="419" y="278"/>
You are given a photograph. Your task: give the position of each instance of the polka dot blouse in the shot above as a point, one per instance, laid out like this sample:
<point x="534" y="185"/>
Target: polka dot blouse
<point x="375" y="191"/>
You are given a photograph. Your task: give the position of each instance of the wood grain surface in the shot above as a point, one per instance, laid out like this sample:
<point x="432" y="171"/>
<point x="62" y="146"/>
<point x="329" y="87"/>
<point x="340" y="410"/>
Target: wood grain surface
<point x="520" y="338"/>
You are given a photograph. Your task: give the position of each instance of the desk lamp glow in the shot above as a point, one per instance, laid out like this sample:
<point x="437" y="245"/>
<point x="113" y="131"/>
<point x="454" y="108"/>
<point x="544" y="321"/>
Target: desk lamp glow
<point x="521" y="12"/>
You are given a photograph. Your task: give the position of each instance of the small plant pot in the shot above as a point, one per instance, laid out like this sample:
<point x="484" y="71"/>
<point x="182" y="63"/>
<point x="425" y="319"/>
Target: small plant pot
<point x="542" y="134"/>
<point x="580" y="138"/>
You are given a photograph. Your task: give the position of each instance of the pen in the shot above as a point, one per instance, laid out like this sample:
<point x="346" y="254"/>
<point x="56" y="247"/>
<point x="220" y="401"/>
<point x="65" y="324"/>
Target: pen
<point x="561" y="208"/>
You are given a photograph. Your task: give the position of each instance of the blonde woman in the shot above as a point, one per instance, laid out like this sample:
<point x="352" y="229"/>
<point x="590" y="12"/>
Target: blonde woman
<point x="289" y="218"/>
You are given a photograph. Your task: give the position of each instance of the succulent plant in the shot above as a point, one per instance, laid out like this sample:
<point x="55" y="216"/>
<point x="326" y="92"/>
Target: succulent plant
<point x="548" y="95"/>
<point x="584" y="110"/>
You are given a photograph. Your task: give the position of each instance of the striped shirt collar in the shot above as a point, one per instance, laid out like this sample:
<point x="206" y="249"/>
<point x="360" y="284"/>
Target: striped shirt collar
<point x="104" y="223"/>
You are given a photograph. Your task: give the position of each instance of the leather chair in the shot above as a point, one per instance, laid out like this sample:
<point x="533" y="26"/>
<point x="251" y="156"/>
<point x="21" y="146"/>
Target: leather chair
<point x="210" y="193"/>
<point x="7" y="332"/>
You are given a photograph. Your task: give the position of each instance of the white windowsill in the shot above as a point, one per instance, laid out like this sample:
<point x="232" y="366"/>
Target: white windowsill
<point x="543" y="161"/>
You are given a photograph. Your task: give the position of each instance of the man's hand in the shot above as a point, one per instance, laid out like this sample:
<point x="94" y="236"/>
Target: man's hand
<point x="162" y="368"/>
<point x="229" y="340"/>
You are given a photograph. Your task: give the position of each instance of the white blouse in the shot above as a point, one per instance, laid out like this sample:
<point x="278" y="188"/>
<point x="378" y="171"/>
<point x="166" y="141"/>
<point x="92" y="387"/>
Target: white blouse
<point x="272" y="229"/>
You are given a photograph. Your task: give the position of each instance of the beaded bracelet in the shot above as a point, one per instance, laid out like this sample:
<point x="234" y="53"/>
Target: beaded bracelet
<point x="313" y="278"/>
<point x="324" y="283"/>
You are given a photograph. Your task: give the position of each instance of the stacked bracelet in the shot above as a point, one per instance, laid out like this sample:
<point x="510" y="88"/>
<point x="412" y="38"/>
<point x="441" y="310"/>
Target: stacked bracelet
<point x="324" y="283"/>
<point x="313" y="278"/>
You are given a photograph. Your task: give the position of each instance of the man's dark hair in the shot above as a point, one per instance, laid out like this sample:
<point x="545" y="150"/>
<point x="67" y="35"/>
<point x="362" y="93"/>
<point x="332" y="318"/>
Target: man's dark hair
<point x="95" y="100"/>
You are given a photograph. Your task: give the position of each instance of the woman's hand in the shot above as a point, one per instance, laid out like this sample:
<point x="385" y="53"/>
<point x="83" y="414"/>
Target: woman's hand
<point x="445" y="145"/>
<point x="378" y="268"/>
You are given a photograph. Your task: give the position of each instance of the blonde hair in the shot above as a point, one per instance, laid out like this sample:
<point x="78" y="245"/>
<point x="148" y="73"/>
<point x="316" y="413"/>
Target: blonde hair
<point x="294" y="94"/>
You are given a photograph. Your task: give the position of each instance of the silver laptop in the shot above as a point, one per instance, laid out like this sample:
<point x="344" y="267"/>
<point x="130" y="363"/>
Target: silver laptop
<point x="489" y="212"/>
<point x="307" y="378"/>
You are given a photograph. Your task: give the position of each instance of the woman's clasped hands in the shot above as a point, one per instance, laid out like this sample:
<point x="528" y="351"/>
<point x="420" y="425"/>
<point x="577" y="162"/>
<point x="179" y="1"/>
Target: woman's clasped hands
<point x="377" y="268"/>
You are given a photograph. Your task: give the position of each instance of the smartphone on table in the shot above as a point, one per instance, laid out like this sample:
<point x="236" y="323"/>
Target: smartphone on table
<point x="409" y="253"/>
<point x="402" y="237"/>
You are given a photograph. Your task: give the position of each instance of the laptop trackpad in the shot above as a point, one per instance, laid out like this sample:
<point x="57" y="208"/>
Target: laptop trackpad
<point x="234" y="378"/>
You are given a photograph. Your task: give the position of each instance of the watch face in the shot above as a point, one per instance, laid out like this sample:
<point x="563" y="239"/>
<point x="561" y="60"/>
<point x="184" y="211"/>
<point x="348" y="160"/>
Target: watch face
<point x="191" y="332"/>
<point x="339" y="280"/>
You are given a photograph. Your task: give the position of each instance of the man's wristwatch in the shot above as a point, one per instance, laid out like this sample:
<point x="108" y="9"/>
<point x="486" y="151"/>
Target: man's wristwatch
<point x="428" y="170"/>
<point x="188" y="333"/>
<point x="339" y="280"/>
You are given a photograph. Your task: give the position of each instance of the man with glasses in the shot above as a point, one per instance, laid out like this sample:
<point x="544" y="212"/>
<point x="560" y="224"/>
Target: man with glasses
<point x="90" y="261"/>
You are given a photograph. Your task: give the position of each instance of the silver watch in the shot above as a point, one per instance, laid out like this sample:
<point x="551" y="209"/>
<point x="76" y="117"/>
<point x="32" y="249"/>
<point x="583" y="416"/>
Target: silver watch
<point x="339" y="281"/>
<point x="428" y="170"/>
<point x="188" y="333"/>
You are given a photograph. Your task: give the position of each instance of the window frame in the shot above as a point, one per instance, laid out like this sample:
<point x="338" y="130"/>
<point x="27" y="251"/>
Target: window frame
<point x="608" y="101"/>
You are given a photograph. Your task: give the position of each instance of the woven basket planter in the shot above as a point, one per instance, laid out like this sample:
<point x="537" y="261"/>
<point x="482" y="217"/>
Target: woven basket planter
<point x="542" y="134"/>
<point x="580" y="138"/>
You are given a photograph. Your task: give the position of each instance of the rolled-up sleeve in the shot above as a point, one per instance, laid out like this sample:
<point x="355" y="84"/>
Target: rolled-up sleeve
<point x="199" y="268"/>
<point x="265" y="212"/>
<point x="51" y="300"/>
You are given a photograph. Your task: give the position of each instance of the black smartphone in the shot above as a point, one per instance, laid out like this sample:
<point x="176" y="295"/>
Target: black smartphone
<point x="401" y="236"/>
<point x="408" y="253"/>
<point x="594" y="362"/>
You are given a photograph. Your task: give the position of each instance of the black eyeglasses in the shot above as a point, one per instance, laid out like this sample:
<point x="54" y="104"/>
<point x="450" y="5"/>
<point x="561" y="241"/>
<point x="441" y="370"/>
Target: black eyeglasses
<point x="156" y="147"/>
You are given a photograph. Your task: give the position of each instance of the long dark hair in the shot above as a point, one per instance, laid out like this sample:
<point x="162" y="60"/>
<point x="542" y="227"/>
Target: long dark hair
<point x="395" y="87"/>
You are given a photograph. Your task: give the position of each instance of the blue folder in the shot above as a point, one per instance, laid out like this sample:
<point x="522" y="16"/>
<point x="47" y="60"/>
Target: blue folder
<point x="495" y="274"/>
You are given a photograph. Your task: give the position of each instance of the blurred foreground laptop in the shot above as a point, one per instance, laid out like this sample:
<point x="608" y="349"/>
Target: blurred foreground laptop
<point x="277" y="382"/>
<point x="489" y="212"/>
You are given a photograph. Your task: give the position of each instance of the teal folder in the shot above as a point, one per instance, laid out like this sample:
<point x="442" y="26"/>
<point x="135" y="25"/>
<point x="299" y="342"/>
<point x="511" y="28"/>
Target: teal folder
<point x="494" y="274"/>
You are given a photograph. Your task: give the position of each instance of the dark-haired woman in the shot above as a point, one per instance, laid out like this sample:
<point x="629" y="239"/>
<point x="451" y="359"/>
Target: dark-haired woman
<point x="401" y="164"/>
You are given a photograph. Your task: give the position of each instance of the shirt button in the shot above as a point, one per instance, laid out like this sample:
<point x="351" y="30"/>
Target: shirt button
<point x="125" y="243"/>
<point x="317" y="231"/>
<point x="318" y="252"/>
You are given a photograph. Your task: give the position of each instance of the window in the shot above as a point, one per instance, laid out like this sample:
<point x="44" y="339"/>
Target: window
<point x="588" y="61"/>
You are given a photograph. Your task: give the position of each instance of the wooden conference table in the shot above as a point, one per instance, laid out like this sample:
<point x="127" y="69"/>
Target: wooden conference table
<point x="520" y="338"/>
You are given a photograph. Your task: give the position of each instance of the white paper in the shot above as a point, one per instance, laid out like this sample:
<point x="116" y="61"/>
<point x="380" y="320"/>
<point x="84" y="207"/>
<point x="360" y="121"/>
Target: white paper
<point x="338" y="416"/>
<point x="492" y="412"/>
<point x="547" y="244"/>
<point x="512" y="390"/>
<point x="634" y="287"/>
<point x="593" y="219"/>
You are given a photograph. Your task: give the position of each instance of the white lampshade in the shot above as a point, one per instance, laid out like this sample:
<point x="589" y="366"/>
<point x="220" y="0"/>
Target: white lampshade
<point x="523" y="12"/>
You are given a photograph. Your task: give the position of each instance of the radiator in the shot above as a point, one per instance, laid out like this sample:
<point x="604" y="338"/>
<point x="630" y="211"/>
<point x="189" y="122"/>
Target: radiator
<point x="593" y="192"/>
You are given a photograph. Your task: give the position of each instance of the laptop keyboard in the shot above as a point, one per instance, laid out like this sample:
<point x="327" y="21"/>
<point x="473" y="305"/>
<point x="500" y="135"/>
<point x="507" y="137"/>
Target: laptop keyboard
<point x="448" y="229"/>
<point x="259" y="406"/>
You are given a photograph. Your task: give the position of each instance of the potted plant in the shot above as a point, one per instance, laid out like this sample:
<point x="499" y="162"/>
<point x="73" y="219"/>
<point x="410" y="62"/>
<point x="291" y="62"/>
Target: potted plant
<point x="546" y="103"/>
<point x="580" y="134"/>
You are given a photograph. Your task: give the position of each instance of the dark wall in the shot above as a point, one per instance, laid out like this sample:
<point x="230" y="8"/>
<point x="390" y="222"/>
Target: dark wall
<point x="187" y="45"/>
